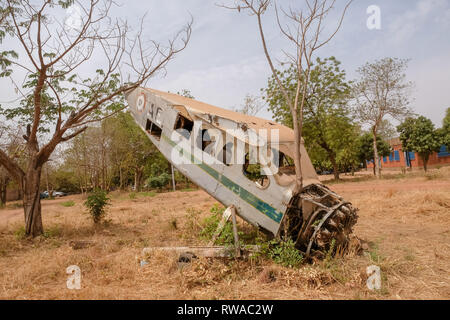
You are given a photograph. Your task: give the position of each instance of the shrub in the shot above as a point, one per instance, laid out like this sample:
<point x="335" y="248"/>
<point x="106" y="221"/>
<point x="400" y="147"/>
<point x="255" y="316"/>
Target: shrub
<point x="283" y="253"/>
<point x="96" y="204"/>
<point x="159" y="181"/>
<point x="211" y="223"/>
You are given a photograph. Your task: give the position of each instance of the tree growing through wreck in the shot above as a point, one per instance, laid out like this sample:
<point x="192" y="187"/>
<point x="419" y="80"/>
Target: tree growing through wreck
<point x="303" y="29"/>
<point x="57" y="102"/>
<point x="327" y="124"/>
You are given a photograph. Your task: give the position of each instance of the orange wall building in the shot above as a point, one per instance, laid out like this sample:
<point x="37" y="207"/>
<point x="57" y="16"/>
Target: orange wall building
<point x="400" y="159"/>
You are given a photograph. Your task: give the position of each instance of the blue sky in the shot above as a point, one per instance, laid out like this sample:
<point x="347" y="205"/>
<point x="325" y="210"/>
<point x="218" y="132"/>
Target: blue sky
<point x="224" y="60"/>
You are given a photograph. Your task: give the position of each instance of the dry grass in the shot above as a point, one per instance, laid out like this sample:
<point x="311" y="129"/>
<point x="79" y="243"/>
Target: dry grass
<point x="407" y="229"/>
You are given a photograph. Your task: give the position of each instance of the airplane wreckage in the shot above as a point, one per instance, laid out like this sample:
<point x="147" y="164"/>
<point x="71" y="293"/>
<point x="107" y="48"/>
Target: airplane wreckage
<point x="245" y="163"/>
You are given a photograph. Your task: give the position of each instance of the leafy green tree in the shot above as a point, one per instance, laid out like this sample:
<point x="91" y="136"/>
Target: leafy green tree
<point x="419" y="135"/>
<point x="131" y="149"/>
<point x="446" y="129"/>
<point x="365" y="148"/>
<point x="326" y="124"/>
<point x="58" y="102"/>
<point x="302" y="28"/>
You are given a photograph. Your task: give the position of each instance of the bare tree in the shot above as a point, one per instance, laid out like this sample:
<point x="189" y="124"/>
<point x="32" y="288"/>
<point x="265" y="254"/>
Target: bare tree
<point x="303" y="29"/>
<point x="381" y="91"/>
<point x="252" y="105"/>
<point x="56" y="98"/>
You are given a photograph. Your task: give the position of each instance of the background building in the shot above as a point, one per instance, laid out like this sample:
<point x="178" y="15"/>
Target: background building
<point x="400" y="159"/>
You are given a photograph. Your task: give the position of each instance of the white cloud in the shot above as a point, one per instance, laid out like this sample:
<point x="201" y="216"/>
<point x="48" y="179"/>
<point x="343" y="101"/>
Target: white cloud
<point x="405" y="26"/>
<point x="224" y="85"/>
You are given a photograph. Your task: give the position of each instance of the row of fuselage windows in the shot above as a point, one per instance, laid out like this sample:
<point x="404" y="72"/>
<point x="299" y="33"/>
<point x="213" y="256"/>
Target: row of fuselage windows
<point x="251" y="171"/>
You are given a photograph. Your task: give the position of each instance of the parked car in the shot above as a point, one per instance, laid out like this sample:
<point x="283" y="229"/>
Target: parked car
<point x="55" y="194"/>
<point x="58" y="194"/>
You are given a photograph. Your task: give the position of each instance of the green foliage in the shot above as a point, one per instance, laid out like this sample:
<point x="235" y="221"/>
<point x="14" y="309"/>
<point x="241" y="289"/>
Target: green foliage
<point x="446" y="129"/>
<point x="68" y="204"/>
<point x="96" y="204"/>
<point x="186" y="93"/>
<point x="211" y="223"/>
<point x="159" y="182"/>
<point x="133" y="195"/>
<point x="365" y="147"/>
<point x="419" y="135"/>
<point x="52" y="232"/>
<point x="283" y="253"/>
<point x="327" y="125"/>
<point x="20" y="233"/>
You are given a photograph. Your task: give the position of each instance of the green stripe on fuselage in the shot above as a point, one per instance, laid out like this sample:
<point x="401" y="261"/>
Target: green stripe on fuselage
<point x="245" y="195"/>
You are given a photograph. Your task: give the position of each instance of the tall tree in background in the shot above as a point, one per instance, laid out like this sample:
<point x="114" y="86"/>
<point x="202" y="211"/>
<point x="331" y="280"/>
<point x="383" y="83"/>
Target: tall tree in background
<point x="56" y="97"/>
<point x="446" y="129"/>
<point x="303" y="29"/>
<point x="381" y="91"/>
<point x="419" y="135"/>
<point x="327" y="124"/>
<point x="366" y="150"/>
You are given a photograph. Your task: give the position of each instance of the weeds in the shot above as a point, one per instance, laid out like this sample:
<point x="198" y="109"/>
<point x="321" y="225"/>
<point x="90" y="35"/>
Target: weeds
<point x="282" y="252"/>
<point x="210" y="225"/>
<point x="68" y="204"/>
<point x="20" y="233"/>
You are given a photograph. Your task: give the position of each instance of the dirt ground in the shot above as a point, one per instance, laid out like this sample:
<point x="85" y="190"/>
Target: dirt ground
<point x="405" y="221"/>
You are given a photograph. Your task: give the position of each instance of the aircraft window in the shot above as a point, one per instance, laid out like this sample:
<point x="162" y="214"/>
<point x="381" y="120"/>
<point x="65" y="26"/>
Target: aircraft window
<point x="253" y="173"/>
<point x="204" y="139"/>
<point x="286" y="164"/>
<point x="184" y="123"/>
<point x="153" y="129"/>
<point x="226" y="155"/>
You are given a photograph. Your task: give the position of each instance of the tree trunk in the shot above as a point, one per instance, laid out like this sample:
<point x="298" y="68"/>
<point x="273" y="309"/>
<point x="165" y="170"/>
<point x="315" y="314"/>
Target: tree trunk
<point x="297" y="153"/>
<point x="335" y="166"/>
<point x="3" y="194"/>
<point x="425" y="162"/>
<point x="120" y="179"/>
<point x="32" y="203"/>
<point x="375" y="156"/>
<point x="137" y="179"/>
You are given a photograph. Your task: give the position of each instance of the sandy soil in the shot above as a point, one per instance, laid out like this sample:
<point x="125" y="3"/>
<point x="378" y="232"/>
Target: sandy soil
<point x="405" y="222"/>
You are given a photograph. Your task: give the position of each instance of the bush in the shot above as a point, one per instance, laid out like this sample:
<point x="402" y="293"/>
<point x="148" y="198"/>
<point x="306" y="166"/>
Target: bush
<point x="283" y="253"/>
<point x="96" y="204"/>
<point x="159" y="181"/>
<point x="211" y="223"/>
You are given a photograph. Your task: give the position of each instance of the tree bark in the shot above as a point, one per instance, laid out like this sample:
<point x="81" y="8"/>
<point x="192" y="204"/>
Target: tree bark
<point x="32" y="203"/>
<point x="332" y="157"/>
<point x="3" y="194"/>
<point x="375" y="155"/>
<point x="425" y="162"/>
